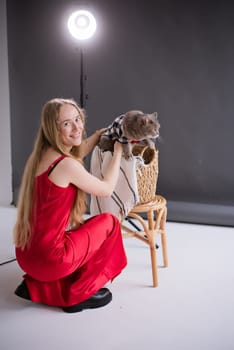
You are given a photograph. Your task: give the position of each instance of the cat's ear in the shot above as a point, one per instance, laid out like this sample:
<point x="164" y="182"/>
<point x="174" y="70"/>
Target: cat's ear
<point x="155" y="114"/>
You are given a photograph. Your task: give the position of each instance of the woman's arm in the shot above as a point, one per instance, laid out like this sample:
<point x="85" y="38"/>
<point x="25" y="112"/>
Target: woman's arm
<point x="88" y="144"/>
<point x="70" y="170"/>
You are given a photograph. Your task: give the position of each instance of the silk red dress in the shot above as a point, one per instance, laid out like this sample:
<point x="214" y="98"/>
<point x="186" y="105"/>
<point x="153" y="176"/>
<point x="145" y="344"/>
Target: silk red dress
<point x="64" y="268"/>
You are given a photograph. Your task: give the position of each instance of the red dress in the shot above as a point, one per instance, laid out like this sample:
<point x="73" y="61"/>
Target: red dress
<point x="63" y="267"/>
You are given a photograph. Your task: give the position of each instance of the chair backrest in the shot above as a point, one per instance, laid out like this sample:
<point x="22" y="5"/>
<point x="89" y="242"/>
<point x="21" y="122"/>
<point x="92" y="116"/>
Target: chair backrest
<point x="147" y="172"/>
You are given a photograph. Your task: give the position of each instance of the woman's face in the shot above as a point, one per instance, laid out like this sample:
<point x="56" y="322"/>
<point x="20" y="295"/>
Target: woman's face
<point x="70" y="126"/>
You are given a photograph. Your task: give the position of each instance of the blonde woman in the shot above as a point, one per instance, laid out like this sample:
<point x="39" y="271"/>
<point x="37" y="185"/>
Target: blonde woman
<point x="67" y="261"/>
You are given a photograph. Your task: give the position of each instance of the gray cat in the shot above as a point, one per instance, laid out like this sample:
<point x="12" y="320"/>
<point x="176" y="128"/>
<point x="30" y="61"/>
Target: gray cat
<point x="130" y="128"/>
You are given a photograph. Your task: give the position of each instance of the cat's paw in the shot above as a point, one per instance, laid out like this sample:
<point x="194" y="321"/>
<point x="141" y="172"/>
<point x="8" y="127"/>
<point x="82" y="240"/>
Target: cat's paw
<point x="150" y="143"/>
<point x="128" y="155"/>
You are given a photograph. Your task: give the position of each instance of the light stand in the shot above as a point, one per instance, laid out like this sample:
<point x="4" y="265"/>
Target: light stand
<point x="82" y="77"/>
<point x="82" y="25"/>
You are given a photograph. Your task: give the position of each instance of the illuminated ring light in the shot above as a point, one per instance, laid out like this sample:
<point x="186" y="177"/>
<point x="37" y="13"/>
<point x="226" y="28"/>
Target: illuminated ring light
<point x="82" y="25"/>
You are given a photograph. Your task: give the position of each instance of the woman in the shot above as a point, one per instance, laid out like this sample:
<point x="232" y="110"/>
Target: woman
<point x="67" y="261"/>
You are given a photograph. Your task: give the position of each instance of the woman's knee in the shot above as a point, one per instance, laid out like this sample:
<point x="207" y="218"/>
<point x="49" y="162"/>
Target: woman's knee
<point x="106" y="223"/>
<point x="111" y="218"/>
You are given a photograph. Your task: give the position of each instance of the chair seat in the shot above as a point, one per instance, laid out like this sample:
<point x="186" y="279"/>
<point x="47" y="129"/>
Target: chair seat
<point x="156" y="212"/>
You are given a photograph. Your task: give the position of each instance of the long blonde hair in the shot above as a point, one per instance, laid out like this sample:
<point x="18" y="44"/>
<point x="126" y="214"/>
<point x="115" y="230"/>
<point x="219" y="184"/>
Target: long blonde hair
<point x="47" y="137"/>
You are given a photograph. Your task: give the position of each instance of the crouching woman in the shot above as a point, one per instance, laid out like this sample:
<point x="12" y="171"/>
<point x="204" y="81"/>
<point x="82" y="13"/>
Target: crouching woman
<point x="67" y="260"/>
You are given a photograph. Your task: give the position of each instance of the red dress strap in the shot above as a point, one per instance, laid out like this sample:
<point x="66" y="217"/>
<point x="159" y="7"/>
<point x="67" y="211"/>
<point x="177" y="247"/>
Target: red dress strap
<point x="53" y="165"/>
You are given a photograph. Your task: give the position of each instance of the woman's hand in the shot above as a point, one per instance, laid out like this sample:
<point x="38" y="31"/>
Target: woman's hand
<point x="100" y="131"/>
<point x="118" y="148"/>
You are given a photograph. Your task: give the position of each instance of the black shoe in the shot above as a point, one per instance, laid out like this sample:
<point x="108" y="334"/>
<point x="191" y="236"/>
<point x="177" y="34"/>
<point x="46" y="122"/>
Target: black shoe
<point x="99" y="299"/>
<point x="22" y="291"/>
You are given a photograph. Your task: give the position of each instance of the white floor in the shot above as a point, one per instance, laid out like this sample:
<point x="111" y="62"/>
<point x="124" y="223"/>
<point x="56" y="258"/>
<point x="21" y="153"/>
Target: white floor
<point x="193" y="307"/>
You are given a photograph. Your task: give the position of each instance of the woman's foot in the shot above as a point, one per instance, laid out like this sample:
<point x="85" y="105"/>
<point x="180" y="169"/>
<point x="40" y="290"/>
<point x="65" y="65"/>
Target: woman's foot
<point x="22" y="291"/>
<point x="99" y="299"/>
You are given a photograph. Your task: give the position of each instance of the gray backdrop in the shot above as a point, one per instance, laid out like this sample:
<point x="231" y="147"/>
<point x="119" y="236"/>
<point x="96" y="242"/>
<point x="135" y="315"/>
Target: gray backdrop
<point x="173" y="57"/>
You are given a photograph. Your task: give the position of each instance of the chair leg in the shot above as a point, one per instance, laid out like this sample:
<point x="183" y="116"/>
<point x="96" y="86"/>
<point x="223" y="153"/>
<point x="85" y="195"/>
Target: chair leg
<point x="163" y="238"/>
<point x="150" y="216"/>
<point x="164" y="250"/>
<point x="154" y="265"/>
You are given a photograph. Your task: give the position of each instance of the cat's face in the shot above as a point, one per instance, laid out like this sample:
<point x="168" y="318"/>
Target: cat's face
<point x="139" y="126"/>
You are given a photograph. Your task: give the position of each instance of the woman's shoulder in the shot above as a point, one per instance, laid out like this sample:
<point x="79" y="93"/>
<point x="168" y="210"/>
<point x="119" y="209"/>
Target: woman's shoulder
<point x="48" y="160"/>
<point x="69" y="162"/>
<point x="66" y="170"/>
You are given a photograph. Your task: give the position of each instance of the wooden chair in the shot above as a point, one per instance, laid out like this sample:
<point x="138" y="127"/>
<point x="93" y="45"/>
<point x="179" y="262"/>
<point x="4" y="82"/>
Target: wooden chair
<point x="156" y="212"/>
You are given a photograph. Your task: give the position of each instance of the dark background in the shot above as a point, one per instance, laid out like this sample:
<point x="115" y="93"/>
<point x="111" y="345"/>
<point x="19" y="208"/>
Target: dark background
<point x="173" y="57"/>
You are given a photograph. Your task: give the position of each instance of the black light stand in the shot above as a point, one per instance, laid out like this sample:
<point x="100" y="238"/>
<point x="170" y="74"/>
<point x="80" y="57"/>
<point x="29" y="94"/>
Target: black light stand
<point x="7" y="261"/>
<point x="83" y="78"/>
